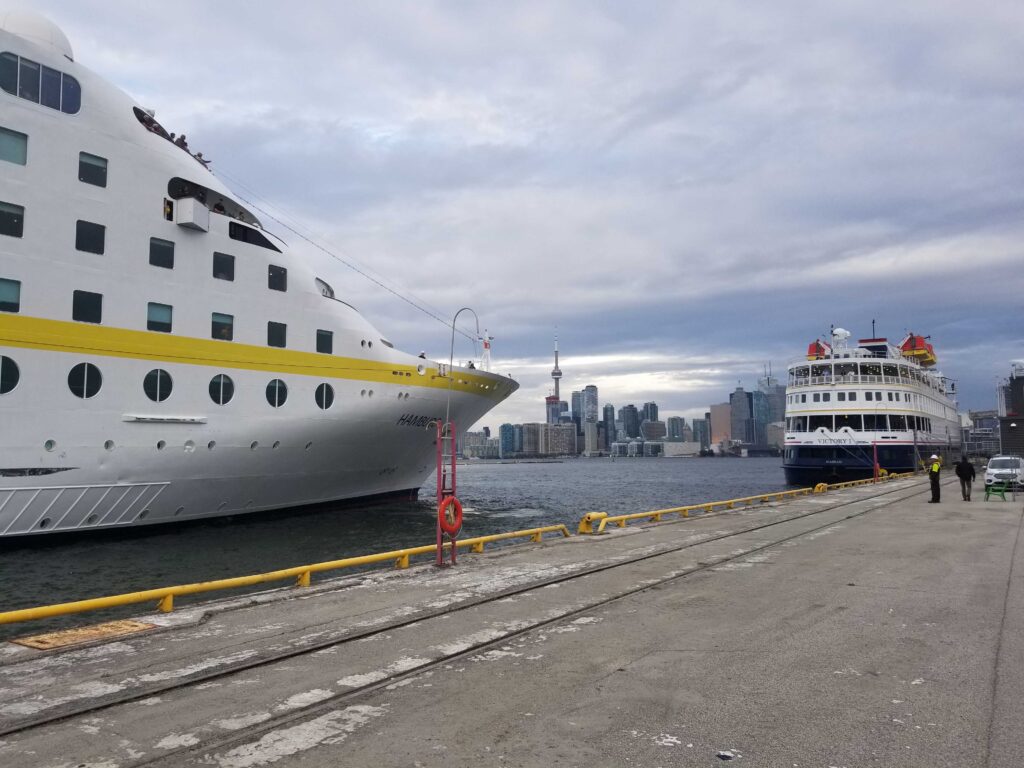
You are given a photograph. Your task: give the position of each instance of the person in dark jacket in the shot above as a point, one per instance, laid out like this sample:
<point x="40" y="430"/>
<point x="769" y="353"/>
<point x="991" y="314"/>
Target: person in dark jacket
<point x="965" y="471"/>
<point x="933" y="475"/>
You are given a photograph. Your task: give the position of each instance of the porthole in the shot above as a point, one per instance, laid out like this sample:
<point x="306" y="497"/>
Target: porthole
<point x="276" y="445"/>
<point x="277" y="393"/>
<point x="49" y="445"/>
<point x="108" y="445"/>
<point x="324" y="396"/>
<point x="254" y="445"/>
<point x="178" y="511"/>
<point x="45" y="522"/>
<point x="161" y="444"/>
<point x="84" y="380"/>
<point x="9" y="375"/>
<point x="91" y="519"/>
<point x="211" y="445"/>
<point x="143" y="514"/>
<point x="190" y="446"/>
<point x="221" y="505"/>
<point x="370" y="393"/>
<point x="222" y="389"/>
<point x="362" y="393"/>
<point x="157" y="385"/>
<point x="363" y="343"/>
<point x="308" y="446"/>
<point x="421" y="370"/>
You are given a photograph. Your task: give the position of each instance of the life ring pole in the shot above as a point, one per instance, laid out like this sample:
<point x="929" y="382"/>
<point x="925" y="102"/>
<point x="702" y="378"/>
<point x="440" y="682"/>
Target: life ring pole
<point x="445" y="443"/>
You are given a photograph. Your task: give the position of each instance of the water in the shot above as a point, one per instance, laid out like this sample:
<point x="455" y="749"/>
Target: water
<point x="495" y="498"/>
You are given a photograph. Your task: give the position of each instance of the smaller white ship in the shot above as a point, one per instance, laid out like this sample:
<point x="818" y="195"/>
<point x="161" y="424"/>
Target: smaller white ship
<point x="850" y="408"/>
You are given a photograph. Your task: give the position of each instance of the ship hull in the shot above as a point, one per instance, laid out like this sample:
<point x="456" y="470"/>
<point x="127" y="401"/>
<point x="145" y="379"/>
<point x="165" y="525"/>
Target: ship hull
<point x="809" y="465"/>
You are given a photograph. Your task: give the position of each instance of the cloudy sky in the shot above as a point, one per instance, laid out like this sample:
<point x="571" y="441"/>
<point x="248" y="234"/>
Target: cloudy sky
<point x="684" y="192"/>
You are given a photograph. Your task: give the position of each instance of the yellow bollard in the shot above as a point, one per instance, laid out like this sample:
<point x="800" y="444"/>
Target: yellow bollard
<point x="166" y="603"/>
<point x="821" y="488"/>
<point x="588" y="520"/>
<point x="402" y="562"/>
<point x="302" y="580"/>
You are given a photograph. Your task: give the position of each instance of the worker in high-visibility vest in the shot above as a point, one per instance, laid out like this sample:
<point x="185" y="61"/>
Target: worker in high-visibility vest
<point x="933" y="476"/>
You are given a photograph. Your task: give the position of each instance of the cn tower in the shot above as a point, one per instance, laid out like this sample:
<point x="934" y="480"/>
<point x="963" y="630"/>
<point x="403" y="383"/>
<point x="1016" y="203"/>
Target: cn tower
<point x="556" y="372"/>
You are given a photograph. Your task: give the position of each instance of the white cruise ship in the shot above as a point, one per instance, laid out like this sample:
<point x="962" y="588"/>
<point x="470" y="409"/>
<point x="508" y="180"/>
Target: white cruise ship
<point x="164" y="357"/>
<point x="848" y="407"/>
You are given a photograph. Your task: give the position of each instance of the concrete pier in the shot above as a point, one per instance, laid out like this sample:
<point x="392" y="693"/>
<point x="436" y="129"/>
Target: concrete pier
<point x="855" y="628"/>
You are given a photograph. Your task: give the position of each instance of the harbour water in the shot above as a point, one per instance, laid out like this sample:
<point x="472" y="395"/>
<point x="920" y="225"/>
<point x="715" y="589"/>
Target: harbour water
<point x="496" y="498"/>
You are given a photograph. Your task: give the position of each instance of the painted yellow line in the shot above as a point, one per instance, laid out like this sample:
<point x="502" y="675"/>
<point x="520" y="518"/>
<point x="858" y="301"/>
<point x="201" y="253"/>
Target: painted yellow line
<point x="98" y="340"/>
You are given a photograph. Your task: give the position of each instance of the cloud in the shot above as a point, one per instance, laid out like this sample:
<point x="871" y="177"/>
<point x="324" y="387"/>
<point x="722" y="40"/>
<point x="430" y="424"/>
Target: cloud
<point x="681" y="192"/>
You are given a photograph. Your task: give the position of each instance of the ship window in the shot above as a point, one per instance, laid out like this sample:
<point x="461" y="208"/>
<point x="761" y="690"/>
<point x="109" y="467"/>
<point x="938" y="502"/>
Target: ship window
<point x="277" y="393"/>
<point x="84" y="380"/>
<point x="161" y="253"/>
<point x="157" y="385"/>
<point x="324" y="396"/>
<point x="277" y="278"/>
<point x="803" y="398"/>
<point x="897" y="422"/>
<point x="90" y="237"/>
<point x="826" y="397"/>
<point x="878" y="396"/>
<point x="249" y="235"/>
<point x="890" y="396"/>
<point x="906" y="397"/>
<point x="890" y="370"/>
<point x="222" y="389"/>
<point x="875" y="422"/>
<point x="49" y="95"/>
<point x="9" y="72"/>
<point x="852" y="396"/>
<point x="158" y="317"/>
<point x="851" y="420"/>
<point x="841" y="397"/>
<point x="223" y="326"/>
<point x="799" y="423"/>
<point x="325" y="341"/>
<point x="71" y="95"/>
<point x="867" y="396"/>
<point x="277" y="334"/>
<point x="87" y="307"/>
<point x="92" y="169"/>
<point x="223" y="266"/>
<point x="12" y="219"/>
<point x="325" y="289"/>
<point x="28" y="80"/>
<point x="819" y="421"/>
<point x="10" y="295"/>
<point x="822" y="370"/>
<point x="816" y="397"/>
<point x="13" y="146"/>
<point x="9" y="375"/>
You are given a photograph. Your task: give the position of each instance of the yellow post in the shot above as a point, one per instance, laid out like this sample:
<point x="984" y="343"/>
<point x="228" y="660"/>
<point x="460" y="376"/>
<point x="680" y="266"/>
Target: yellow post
<point x="478" y="548"/>
<point x="302" y="580"/>
<point x="684" y="512"/>
<point x="402" y="561"/>
<point x="166" y="603"/>
<point x="588" y="520"/>
<point x="534" y="538"/>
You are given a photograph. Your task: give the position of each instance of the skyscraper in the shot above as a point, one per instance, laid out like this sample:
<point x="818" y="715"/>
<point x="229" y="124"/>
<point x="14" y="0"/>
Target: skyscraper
<point x="577" y="409"/>
<point x="507" y="440"/>
<point x="674" y="425"/>
<point x="650" y="412"/>
<point x="630" y="418"/>
<point x="609" y="424"/>
<point x="590" y="404"/>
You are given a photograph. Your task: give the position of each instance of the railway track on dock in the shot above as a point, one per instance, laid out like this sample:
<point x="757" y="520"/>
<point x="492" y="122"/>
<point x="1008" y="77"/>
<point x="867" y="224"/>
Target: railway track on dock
<point x="396" y="649"/>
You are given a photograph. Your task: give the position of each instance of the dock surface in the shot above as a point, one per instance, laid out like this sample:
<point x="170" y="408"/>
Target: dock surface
<point x="861" y="627"/>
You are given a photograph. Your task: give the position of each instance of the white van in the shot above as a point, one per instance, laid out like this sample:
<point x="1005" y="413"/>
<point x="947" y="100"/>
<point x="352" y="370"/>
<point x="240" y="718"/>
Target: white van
<point x="1005" y="469"/>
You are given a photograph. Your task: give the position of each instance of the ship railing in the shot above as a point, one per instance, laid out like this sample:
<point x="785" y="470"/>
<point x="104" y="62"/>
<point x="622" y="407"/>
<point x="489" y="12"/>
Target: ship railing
<point x="301" y="574"/>
<point x="847" y="378"/>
